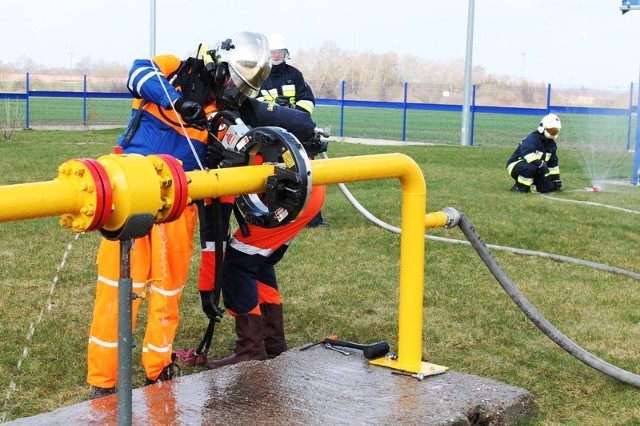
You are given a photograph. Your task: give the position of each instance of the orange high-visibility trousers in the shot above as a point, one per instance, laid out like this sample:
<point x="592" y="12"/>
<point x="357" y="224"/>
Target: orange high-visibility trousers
<point x="159" y="266"/>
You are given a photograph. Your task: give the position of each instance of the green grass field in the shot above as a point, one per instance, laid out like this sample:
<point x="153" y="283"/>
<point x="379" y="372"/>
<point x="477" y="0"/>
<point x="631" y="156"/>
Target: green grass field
<point x="344" y="279"/>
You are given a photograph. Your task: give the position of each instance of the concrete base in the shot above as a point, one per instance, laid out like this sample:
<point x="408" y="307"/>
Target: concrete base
<point x="317" y="386"/>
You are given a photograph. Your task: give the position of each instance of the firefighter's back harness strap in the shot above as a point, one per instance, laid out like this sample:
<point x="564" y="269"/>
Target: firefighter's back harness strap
<point x="194" y="82"/>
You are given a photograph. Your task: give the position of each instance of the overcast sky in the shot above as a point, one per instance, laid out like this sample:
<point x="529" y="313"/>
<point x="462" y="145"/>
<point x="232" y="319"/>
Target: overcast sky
<point x="563" y="42"/>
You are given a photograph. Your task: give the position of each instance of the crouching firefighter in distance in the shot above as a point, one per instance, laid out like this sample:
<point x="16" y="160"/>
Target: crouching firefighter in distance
<point x="172" y="101"/>
<point x="534" y="163"/>
<point x="242" y="265"/>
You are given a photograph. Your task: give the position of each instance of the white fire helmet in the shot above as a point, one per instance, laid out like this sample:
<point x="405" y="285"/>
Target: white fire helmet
<point x="550" y="126"/>
<point x="278" y="42"/>
<point x="246" y="55"/>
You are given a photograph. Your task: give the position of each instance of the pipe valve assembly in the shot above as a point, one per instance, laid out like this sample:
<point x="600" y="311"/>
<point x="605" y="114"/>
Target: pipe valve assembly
<point x="86" y="192"/>
<point x="103" y="194"/>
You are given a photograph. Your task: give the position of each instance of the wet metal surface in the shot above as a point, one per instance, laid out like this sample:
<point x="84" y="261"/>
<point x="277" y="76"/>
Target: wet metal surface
<point x="312" y="387"/>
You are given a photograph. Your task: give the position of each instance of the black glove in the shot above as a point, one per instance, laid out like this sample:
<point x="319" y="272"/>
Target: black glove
<point x="282" y="101"/>
<point x="544" y="168"/>
<point x="210" y="307"/>
<point x="215" y="154"/>
<point x="557" y="184"/>
<point x="315" y="146"/>
<point x="191" y="112"/>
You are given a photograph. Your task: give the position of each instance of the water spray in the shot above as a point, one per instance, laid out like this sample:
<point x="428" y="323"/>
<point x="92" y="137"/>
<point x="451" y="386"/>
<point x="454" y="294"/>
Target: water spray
<point x="46" y="308"/>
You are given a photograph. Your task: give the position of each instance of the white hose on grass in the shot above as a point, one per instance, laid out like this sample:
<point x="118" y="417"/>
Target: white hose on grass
<point x="354" y="202"/>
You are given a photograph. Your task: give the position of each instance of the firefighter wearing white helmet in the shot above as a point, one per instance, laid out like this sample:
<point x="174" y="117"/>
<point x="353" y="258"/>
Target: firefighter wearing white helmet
<point x="278" y="42"/>
<point x="550" y="126"/>
<point x="285" y="85"/>
<point x="534" y="163"/>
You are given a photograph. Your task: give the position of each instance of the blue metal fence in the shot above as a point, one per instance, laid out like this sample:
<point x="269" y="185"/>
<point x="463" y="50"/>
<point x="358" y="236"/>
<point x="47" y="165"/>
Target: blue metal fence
<point x="404" y="106"/>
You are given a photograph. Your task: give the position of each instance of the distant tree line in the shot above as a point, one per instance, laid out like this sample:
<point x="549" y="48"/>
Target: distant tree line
<point x="367" y="76"/>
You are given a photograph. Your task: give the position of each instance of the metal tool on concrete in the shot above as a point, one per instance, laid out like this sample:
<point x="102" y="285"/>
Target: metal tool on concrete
<point x="419" y="376"/>
<point x="333" y="348"/>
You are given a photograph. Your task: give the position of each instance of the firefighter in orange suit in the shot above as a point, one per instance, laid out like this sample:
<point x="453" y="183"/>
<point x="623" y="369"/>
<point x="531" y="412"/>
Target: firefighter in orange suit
<point x="173" y="98"/>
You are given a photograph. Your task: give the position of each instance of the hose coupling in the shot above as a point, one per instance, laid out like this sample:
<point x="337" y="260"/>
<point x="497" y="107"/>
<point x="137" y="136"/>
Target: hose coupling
<point x="453" y="217"/>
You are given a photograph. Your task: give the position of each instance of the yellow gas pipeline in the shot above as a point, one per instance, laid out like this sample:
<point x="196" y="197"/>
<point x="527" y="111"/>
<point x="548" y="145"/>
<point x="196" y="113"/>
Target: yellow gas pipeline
<point x="103" y="193"/>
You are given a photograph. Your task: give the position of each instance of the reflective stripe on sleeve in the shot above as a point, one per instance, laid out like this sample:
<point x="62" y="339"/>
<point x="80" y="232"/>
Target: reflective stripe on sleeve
<point x="144" y="80"/>
<point x="306" y="105"/>
<point x="533" y="156"/>
<point x="250" y="250"/>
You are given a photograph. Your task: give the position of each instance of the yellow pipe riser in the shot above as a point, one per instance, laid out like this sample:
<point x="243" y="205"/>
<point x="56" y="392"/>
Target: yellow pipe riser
<point x="352" y="169"/>
<point x="412" y="244"/>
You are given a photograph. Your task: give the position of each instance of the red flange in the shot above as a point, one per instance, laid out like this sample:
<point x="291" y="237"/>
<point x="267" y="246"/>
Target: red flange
<point x="104" y="194"/>
<point x="180" y="187"/>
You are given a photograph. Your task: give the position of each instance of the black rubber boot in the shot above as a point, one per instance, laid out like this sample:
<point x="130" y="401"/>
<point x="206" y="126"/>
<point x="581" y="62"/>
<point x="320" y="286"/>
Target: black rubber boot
<point x="518" y="187"/>
<point x="249" y="344"/>
<point x="167" y="373"/>
<point x="97" y="392"/>
<point x="273" y="323"/>
<point x="317" y="221"/>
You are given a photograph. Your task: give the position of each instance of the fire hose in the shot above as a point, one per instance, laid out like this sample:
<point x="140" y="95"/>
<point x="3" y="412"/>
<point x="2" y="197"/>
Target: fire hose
<point x="536" y="317"/>
<point x="460" y="220"/>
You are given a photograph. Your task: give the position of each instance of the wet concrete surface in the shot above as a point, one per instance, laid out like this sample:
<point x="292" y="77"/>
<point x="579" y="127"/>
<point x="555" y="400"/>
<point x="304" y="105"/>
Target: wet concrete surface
<point x="317" y="386"/>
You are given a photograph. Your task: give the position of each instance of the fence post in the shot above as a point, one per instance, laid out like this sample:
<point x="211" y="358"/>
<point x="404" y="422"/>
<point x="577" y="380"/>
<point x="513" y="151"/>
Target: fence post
<point x="630" y="117"/>
<point x="26" y="105"/>
<point x="636" y="156"/>
<point x="473" y="115"/>
<point x="342" y="108"/>
<point x="404" y="114"/>
<point x="548" y="98"/>
<point x="84" y="101"/>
